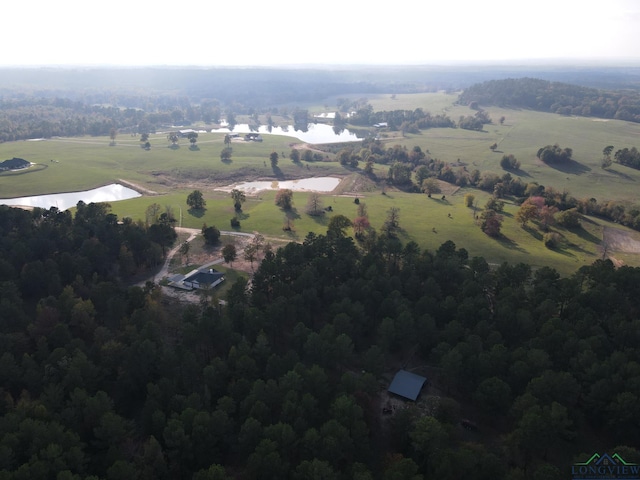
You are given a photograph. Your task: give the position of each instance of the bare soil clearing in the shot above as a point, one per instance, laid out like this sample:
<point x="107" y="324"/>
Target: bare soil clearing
<point x="620" y="241"/>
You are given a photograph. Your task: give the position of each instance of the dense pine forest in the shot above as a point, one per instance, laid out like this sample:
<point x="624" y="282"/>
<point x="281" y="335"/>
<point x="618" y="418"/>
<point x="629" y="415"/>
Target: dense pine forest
<point x="105" y="380"/>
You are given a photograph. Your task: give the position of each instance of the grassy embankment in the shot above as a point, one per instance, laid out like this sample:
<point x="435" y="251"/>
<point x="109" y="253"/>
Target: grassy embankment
<point x="89" y="162"/>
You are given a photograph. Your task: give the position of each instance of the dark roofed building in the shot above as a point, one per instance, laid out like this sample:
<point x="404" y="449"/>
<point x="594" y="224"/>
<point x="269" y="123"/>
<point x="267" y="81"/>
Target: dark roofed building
<point x="197" y="279"/>
<point x="407" y="385"/>
<point x="204" y="278"/>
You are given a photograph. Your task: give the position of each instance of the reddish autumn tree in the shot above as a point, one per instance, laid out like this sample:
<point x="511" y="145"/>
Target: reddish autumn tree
<point x="360" y="225"/>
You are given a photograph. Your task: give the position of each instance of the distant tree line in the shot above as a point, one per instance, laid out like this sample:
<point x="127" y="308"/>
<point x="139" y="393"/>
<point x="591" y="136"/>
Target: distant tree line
<point x="410" y="121"/>
<point x="555" y="97"/>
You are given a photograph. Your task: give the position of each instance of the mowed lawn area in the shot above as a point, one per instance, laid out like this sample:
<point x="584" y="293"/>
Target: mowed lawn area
<point x="70" y="164"/>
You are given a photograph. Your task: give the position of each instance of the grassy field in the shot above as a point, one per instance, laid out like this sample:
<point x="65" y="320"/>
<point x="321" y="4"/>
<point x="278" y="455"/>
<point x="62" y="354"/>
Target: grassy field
<point x="70" y="164"/>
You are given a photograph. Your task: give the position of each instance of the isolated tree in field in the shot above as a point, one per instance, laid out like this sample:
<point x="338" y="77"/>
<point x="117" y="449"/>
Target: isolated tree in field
<point x="227" y="139"/>
<point x="229" y="253"/>
<point x="173" y="138"/>
<point x="250" y="253"/>
<point x="525" y="213"/>
<point x="196" y="200"/>
<point x="284" y="198"/>
<point x="502" y="119"/>
<point x="391" y="224"/>
<point x="606" y="156"/>
<point x="225" y="154"/>
<point x="314" y="204"/>
<point x="430" y="185"/>
<point x="469" y="198"/>
<point x="112" y="136"/>
<point x="509" y="162"/>
<point x="238" y="197"/>
<point x="494" y="147"/>
<point x="144" y="137"/>
<point x="295" y="155"/>
<point x="491" y="223"/>
<point x="211" y="234"/>
<point x="273" y="158"/>
<point x="193" y="138"/>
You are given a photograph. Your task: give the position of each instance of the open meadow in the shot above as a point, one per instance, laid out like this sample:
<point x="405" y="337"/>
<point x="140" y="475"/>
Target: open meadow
<point x="167" y="175"/>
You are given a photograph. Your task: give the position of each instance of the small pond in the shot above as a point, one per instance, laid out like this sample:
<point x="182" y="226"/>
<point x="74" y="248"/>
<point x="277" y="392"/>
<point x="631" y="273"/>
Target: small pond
<point x="315" y="133"/>
<point x="316" y="184"/>
<point x="63" y="201"/>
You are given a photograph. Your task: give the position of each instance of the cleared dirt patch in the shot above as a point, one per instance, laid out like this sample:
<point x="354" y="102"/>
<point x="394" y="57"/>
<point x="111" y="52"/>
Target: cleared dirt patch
<point x="620" y="241"/>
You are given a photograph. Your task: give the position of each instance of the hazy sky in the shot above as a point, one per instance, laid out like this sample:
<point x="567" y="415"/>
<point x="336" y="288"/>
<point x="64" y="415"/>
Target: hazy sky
<point x="289" y="32"/>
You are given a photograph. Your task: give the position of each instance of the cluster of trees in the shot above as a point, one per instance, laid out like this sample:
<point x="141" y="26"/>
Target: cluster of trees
<point x="409" y="121"/>
<point x="554" y="154"/>
<point x="477" y="121"/>
<point x="555" y="97"/>
<point x="509" y="162"/>
<point x="100" y="380"/>
<point x="629" y="157"/>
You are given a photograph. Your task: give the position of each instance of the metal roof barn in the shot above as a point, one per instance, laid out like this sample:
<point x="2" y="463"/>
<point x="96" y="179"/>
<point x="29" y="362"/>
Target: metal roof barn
<point x="407" y="384"/>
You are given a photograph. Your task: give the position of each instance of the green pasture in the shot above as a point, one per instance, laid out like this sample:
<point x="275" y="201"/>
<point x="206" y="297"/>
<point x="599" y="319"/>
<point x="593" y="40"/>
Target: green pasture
<point x="522" y="134"/>
<point x="70" y="164"/>
<point x="428" y="221"/>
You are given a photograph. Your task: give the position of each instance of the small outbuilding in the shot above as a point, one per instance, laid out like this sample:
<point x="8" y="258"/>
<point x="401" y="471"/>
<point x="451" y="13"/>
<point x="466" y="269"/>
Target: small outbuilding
<point x="407" y="385"/>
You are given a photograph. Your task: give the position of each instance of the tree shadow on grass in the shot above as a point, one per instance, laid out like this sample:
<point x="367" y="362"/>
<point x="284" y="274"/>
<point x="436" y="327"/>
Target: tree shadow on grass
<point x="320" y="218"/>
<point x="619" y="174"/>
<point x="534" y="232"/>
<point x="240" y="215"/>
<point x="510" y="244"/>
<point x="174" y="146"/>
<point x="586" y="235"/>
<point x="194" y="148"/>
<point x="521" y="173"/>
<point x="196" y="212"/>
<point x="562" y="251"/>
<point x="292" y="213"/>
<point x="277" y="172"/>
<point x="571" y="166"/>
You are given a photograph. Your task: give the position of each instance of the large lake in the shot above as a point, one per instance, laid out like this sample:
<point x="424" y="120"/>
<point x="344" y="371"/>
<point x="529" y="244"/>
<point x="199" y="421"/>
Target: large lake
<point x="62" y="201"/>
<point x="316" y="132"/>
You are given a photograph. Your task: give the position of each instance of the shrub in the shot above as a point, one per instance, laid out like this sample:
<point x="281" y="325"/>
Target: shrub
<point x="469" y="199"/>
<point x="552" y="240"/>
<point x="235" y="223"/>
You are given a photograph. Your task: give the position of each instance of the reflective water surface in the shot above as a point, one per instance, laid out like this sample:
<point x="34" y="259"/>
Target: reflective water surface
<point x="62" y="201"/>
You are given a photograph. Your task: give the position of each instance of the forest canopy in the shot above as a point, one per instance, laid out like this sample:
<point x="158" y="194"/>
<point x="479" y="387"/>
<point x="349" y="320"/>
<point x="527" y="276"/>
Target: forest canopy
<point x="108" y="380"/>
